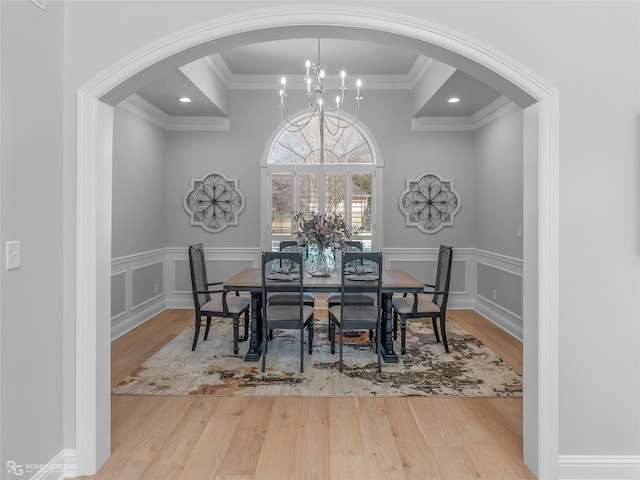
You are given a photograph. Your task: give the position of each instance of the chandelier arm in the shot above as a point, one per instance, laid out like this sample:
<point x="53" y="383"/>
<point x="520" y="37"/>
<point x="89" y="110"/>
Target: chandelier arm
<point x="295" y="126"/>
<point x="334" y="120"/>
<point x="328" y="124"/>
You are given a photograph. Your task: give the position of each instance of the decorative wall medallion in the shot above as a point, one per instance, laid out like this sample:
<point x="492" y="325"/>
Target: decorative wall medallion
<point x="214" y="202"/>
<point x="429" y="202"/>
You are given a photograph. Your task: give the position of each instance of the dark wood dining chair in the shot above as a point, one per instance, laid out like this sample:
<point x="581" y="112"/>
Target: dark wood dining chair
<point x="288" y="316"/>
<point x="335" y="298"/>
<point x="347" y="316"/>
<point x="214" y="302"/>
<point x="284" y="298"/>
<point x="431" y="304"/>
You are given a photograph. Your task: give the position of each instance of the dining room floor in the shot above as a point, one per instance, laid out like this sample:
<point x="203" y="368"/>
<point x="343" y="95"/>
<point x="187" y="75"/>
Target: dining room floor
<point x="311" y="438"/>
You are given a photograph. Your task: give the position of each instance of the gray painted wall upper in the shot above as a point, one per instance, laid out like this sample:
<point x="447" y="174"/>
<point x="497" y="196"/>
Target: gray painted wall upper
<point x="138" y="222"/>
<point x="238" y="153"/>
<point x="498" y="199"/>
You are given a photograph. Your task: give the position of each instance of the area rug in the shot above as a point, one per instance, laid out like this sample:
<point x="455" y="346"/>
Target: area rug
<point x="469" y="370"/>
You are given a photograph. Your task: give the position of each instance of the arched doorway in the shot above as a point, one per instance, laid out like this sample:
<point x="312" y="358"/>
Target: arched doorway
<point x="95" y="101"/>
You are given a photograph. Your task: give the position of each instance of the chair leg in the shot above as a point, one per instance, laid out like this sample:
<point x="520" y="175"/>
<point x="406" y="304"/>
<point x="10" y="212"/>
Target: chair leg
<point x="206" y="330"/>
<point x="310" y="328"/>
<point x="302" y="350"/>
<point x="332" y="334"/>
<point x="444" y="332"/>
<point x="434" y="321"/>
<point x="197" y="333"/>
<point x="341" y="342"/>
<point x="236" y="328"/>
<point x="403" y="334"/>
<point x="264" y="348"/>
<point x="379" y="348"/>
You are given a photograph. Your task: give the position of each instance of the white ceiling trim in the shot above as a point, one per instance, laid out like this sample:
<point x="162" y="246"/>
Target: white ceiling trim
<point x="296" y="82"/>
<point x="272" y="82"/>
<point x="140" y="107"/>
<point x="491" y="112"/>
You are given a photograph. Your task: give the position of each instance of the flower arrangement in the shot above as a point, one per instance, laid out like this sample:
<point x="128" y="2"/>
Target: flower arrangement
<point x="323" y="230"/>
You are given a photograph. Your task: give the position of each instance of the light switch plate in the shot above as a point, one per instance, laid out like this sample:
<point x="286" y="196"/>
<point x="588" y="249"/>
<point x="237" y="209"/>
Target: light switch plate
<point x="13" y="255"/>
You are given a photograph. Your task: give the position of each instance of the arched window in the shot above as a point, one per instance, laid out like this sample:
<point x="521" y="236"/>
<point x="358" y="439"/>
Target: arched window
<point x="307" y="178"/>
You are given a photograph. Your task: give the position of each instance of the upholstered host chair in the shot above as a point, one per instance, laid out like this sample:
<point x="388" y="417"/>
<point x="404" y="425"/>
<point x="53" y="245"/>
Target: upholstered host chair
<point x="364" y="280"/>
<point x="431" y="304"/>
<point x="214" y="302"/>
<point x="290" y="316"/>
<point x="335" y="298"/>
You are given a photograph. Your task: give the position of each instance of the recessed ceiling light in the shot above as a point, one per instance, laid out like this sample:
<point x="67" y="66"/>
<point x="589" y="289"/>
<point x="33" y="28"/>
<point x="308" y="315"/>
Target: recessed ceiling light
<point x="185" y="99"/>
<point x="454" y="100"/>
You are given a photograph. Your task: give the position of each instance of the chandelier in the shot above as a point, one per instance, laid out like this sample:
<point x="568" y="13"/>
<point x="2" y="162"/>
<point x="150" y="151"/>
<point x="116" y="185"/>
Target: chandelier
<point x="330" y="117"/>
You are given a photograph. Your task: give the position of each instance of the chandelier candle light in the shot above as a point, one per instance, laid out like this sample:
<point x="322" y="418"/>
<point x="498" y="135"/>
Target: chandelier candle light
<point x="330" y="117"/>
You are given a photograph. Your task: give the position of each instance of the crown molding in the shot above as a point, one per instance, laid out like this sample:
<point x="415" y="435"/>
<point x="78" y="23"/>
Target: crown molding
<point x="296" y="82"/>
<point x="499" y="107"/>
<point x="139" y="106"/>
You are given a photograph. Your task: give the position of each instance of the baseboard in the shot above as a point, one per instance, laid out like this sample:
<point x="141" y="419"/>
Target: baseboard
<point x="63" y="465"/>
<point x="494" y="315"/>
<point x="599" y="467"/>
<point x="139" y="318"/>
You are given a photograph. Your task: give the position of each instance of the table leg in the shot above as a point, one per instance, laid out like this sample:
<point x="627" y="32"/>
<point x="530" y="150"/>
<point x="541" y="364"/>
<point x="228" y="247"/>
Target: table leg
<point x="255" y="340"/>
<point x="388" y="354"/>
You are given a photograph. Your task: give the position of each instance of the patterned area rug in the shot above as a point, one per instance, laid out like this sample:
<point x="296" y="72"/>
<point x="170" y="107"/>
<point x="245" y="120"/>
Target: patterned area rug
<point x="470" y="370"/>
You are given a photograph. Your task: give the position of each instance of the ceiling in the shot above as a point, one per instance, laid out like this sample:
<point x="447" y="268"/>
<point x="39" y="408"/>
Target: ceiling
<point x="261" y="65"/>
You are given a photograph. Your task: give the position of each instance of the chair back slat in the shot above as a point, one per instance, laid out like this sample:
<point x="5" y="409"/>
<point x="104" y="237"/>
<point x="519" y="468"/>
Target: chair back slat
<point x="272" y="264"/>
<point x="199" y="282"/>
<point x="372" y="263"/>
<point x="443" y="275"/>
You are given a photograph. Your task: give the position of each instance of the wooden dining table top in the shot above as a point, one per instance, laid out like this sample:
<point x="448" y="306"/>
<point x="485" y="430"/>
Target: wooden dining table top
<point x="393" y="280"/>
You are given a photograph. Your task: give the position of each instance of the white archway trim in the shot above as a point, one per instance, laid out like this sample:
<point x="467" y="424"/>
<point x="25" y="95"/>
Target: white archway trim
<point x="93" y="284"/>
<point x="92" y="271"/>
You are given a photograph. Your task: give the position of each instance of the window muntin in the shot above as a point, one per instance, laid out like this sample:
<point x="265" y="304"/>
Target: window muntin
<point x="303" y="146"/>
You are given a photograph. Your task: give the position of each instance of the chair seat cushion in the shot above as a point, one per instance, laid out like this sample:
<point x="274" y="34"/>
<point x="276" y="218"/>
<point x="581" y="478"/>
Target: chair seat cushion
<point x="352" y="298"/>
<point x="357" y="313"/>
<point x="287" y="297"/>
<point x="404" y="305"/>
<point x="235" y="304"/>
<point x="289" y="313"/>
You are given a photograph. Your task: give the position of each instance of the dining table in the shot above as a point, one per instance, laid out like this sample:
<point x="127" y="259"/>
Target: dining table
<point x="394" y="281"/>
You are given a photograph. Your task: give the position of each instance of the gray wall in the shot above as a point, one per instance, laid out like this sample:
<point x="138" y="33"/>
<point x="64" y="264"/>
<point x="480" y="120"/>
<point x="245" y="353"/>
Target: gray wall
<point x="31" y="335"/>
<point x="238" y="152"/>
<point x="498" y="199"/>
<point x="138" y="221"/>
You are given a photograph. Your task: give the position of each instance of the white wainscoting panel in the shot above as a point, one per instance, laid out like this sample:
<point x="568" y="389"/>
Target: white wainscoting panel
<point x="422" y="264"/>
<point x="503" y="310"/>
<point x="142" y="274"/>
<point x="221" y="264"/>
<point x="465" y="289"/>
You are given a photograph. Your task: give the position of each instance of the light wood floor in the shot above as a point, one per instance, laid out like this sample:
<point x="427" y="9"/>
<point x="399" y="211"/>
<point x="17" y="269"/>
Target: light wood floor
<point x="311" y="438"/>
